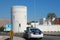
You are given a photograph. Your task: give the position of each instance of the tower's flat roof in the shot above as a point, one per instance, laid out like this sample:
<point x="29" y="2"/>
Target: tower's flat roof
<point x="16" y="6"/>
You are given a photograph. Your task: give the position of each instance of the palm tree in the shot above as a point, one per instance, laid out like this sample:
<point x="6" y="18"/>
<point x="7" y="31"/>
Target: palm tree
<point x="51" y="16"/>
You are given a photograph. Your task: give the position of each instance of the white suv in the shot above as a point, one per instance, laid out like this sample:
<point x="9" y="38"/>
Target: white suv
<point x="32" y="32"/>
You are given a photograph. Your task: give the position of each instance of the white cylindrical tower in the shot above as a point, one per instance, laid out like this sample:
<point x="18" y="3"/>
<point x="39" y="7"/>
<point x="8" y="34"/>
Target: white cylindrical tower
<point x="19" y="18"/>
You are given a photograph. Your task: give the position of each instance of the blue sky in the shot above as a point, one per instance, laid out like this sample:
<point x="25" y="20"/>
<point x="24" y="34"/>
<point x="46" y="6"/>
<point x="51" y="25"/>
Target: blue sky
<point x="43" y="7"/>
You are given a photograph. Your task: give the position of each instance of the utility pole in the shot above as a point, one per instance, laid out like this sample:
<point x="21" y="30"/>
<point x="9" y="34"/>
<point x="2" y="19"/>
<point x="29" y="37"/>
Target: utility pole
<point x="35" y="12"/>
<point x="35" y="9"/>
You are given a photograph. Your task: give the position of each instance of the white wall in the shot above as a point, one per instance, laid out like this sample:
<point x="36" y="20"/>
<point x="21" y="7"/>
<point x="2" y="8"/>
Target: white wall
<point x="49" y="27"/>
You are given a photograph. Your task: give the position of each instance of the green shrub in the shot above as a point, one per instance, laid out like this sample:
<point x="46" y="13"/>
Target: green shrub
<point x="1" y="28"/>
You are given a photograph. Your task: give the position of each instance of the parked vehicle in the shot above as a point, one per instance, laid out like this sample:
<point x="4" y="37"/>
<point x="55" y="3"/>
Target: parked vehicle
<point x="32" y="32"/>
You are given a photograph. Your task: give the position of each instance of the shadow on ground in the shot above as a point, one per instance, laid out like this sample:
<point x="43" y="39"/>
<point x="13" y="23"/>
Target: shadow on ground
<point x="33" y="39"/>
<point x="7" y="39"/>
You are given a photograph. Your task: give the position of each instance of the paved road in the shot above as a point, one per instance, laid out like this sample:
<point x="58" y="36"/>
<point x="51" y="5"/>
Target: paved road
<point x="49" y="38"/>
<point x="44" y="38"/>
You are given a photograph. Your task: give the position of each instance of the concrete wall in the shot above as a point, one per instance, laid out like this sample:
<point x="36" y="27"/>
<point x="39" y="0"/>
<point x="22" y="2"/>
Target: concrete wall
<point x="49" y="28"/>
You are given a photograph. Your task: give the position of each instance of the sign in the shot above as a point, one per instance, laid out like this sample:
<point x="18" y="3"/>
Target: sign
<point x="8" y="27"/>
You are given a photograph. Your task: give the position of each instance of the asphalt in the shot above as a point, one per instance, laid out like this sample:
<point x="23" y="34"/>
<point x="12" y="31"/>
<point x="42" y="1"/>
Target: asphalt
<point x="51" y="38"/>
<point x="48" y="38"/>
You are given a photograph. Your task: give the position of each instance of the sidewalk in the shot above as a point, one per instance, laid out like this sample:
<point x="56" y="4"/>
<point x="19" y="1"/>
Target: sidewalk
<point x="14" y="38"/>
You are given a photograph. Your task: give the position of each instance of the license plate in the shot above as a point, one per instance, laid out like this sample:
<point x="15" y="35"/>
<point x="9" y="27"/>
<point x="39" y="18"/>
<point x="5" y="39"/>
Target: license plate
<point x="37" y="33"/>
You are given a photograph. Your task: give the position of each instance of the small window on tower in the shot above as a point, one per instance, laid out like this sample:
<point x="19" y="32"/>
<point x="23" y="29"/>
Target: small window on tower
<point x="19" y="25"/>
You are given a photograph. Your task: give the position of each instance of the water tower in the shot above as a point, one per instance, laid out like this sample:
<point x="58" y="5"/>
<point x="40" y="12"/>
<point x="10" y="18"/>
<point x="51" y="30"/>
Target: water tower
<point x="19" y="18"/>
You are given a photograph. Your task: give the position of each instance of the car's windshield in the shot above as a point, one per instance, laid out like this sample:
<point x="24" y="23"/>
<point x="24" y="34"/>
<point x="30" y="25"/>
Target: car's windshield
<point x="35" y="30"/>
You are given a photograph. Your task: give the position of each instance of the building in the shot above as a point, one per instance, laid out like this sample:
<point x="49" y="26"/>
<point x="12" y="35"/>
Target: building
<point x="57" y="21"/>
<point x="43" y="21"/>
<point x="19" y="18"/>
